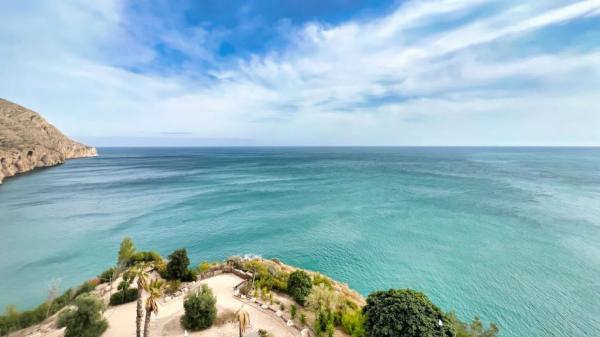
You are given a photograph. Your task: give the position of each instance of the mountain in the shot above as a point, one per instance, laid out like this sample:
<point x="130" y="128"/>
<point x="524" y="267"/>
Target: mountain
<point x="28" y="141"/>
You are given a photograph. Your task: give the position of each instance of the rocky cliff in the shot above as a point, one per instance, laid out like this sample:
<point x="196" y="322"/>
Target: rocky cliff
<point x="27" y="141"/>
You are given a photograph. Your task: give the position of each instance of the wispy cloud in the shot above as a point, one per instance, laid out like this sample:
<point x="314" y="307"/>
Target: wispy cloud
<point x="429" y="72"/>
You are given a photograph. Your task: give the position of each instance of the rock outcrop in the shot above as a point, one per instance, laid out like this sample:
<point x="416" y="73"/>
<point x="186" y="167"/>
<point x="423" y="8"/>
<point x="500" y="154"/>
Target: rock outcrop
<point x="27" y="141"/>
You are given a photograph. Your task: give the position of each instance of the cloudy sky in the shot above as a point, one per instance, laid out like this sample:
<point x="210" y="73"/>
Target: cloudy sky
<point x="307" y="72"/>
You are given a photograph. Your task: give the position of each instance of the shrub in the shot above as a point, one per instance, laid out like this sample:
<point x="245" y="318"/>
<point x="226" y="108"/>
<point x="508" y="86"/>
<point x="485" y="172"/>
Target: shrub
<point x="85" y="288"/>
<point x="87" y="320"/>
<point x="299" y="285"/>
<point x="140" y="257"/>
<point x="303" y="319"/>
<point x="353" y="322"/>
<point x="189" y="276"/>
<point x="107" y="275"/>
<point x="403" y="313"/>
<point x="320" y="279"/>
<point x="263" y="333"/>
<point x="63" y="317"/>
<point x="177" y="268"/>
<point x="205" y="266"/>
<point x="323" y="298"/>
<point x="293" y="309"/>
<point x="475" y="329"/>
<point x="200" y="309"/>
<point x="124" y="296"/>
<point x="172" y="287"/>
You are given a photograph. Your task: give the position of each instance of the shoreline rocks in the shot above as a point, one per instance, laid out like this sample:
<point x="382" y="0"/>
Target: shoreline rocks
<point x="28" y="141"/>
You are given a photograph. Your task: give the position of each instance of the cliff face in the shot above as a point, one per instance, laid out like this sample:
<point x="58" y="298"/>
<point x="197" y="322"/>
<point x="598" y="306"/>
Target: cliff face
<point x="27" y="141"/>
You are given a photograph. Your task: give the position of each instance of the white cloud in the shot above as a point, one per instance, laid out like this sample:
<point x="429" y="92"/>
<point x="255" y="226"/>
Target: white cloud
<point x="361" y="82"/>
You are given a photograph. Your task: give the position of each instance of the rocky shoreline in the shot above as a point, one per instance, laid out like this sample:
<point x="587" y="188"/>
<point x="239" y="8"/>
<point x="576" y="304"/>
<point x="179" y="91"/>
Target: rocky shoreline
<point x="28" y="141"/>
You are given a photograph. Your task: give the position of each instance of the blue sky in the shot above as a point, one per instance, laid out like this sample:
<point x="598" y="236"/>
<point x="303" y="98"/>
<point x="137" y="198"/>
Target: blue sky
<point x="341" y="72"/>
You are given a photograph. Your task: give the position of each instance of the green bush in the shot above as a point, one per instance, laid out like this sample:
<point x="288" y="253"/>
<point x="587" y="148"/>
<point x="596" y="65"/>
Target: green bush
<point x="403" y="313"/>
<point x="263" y="333"/>
<point x="320" y="279"/>
<point x="177" y="268"/>
<point x="352" y="322"/>
<point x="293" y="309"/>
<point x="14" y="320"/>
<point x="85" y="288"/>
<point x="107" y="275"/>
<point x="140" y="257"/>
<point x="299" y="286"/>
<point x="87" y="320"/>
<point x="189" y="276"/>
<point x="200" y="309"/>
<point x="475" y="329"/>
<point x="63" y="317"/>
<point x="124" y="296"/>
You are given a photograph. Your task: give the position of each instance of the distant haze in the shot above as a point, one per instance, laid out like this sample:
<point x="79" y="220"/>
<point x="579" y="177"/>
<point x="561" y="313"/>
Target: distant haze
<point x="387" y="72"/>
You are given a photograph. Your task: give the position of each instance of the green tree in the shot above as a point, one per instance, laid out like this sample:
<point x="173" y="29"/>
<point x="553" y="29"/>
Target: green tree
<point x="87" y="320"/>
<point x="126" y="251"/>
<point x="299" y="285"/>
<point x="177" y="268"/>
<point x="200" y="309"/>
<point x="404" y="313"/>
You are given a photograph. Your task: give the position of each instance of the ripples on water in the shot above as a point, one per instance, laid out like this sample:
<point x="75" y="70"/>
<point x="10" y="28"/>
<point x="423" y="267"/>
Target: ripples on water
<point x="509" y="234"/>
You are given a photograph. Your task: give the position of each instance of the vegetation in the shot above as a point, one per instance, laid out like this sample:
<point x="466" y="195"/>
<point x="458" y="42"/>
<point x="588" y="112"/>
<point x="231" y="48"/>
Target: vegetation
<point x="63" y="316"/>
<point x="124" y="296"/>
<point x="13" y="320"/>
<point x="475" y="329"/>
<point x="87" y="320"/>
<point x="263" y="333"/>
<point x="126" y="252"/>
<point x="108" y="275"/>
<point x="352" y="322"/>
<point x="243" y="319"/>
<point x="177" y="268"/>
<point x="299" y="285"/>
<point x="404" y="313"/>
<point x="139" y="272"/>
<point x="200" y="309"/>
<point x="155" y="291"/>
<point x="293" y="310"/>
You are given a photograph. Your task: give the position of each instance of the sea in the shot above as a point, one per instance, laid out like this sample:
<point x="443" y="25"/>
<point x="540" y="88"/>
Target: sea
<point x="511" y="235"/>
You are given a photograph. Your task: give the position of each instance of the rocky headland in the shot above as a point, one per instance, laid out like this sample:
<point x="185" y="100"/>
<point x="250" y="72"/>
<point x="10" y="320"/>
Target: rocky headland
<point x="28" y="141"/>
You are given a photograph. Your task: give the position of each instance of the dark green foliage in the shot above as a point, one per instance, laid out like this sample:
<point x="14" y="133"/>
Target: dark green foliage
<point x="189" y="276"/>
<point x="107" y="275"/>
<point x="475" y="329"/>
<point x="87" y="320"/>
<point x="403" y="313"/>
<point x="299" y="285"/>
<point x="263" y="333"/>
<point x="124" y="296"/>
<point x="303" y="319"/>
<point x="14" y="320"/>
<point x="323" y="319"/>
<point x="293" y="309"/>
<point x="200" y="309"/>
<point x="177" y="268"/>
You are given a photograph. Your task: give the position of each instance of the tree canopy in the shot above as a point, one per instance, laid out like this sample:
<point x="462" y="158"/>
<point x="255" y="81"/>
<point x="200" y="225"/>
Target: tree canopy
<point x="404" y="313"/>
<point x="299" y="286"/>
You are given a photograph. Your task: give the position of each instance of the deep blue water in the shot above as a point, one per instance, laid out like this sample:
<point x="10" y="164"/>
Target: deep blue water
<point x="509" y="234"/>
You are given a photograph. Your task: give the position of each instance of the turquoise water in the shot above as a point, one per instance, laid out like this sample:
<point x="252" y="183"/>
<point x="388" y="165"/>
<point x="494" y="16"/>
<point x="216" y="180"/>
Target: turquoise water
<point x="509" y="234"/>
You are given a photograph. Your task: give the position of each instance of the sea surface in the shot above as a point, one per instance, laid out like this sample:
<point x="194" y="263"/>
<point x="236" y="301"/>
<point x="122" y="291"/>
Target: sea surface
<point x="509" y="234"/>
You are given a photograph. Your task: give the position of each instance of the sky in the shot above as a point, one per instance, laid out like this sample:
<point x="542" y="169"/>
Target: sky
<point x="307" y="72"/>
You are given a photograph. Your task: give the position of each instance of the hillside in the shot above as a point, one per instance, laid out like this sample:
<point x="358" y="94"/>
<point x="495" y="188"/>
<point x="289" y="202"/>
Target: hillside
<point x="28" y="141"/>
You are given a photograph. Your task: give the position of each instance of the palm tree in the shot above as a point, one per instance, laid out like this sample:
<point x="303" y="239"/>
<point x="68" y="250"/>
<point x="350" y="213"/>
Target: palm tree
<point x="155" y="291"/>
<point x="243" y="319"/>
<point x="142" y="281"/>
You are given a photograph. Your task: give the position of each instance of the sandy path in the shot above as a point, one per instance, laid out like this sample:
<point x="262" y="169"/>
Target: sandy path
<point x="121" y="319"/>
